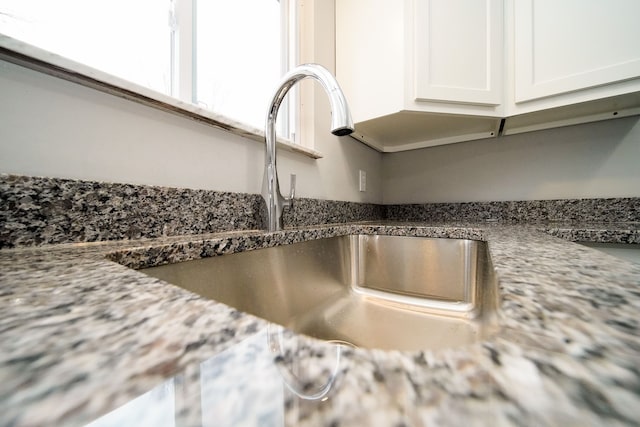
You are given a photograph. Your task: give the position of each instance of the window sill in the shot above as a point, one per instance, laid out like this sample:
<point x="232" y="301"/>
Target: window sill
<point x="23" y="54"/>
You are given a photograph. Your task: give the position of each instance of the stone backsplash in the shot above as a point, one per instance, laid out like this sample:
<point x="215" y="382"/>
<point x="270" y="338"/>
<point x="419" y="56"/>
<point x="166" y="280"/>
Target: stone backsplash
<point x="37" y="211"/>
<point x="533" y="211"/>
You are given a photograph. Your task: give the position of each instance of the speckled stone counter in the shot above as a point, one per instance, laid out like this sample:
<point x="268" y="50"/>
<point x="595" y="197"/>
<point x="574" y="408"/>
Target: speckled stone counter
<point x="36" y="211"/>
<point x="84" y="339"/>
<point x="609" y="210"/>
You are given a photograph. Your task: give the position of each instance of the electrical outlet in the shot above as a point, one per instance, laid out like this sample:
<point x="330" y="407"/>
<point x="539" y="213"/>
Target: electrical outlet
<point x="363" y="180"/>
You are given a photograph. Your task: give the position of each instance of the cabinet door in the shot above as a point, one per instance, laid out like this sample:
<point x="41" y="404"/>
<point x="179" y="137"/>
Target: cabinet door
<point x="370" y="56"/>
<point x="569" y="45"/>
<point x="458" y="51"/>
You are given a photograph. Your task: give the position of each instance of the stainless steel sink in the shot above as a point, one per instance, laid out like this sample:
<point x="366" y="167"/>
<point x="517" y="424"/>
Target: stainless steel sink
<point x="388" y="292"/>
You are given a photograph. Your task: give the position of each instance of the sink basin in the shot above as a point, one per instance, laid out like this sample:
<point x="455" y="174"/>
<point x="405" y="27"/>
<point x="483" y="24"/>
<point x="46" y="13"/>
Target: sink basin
<point x="387" y="292"/>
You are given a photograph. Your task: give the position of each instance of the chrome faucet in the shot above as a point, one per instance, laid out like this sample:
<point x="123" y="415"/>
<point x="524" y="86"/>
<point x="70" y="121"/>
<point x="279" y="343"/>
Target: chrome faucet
<point x="341" y="124"/>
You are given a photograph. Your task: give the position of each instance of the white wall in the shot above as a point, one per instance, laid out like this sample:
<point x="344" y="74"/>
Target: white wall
<point x="585" y="161"/>
<point x="54" y="128"/>
<point x="50" y="127"/>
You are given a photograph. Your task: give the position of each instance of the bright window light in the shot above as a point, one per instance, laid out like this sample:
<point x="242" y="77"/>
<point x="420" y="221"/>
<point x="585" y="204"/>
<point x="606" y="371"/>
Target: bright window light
<point x="238" y="57"/>
<point x="130" y="39"/>
<point x="231" y="63"/>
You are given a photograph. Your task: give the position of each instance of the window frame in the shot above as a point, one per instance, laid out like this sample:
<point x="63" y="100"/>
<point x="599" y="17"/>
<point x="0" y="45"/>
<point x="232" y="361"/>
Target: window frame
<point x="181" y="101"/>
<point x="183" y="19"/>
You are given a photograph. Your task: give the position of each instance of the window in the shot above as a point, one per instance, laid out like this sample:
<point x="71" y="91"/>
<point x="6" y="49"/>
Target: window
<point x="224" y="55"/>
<point x="129" y="39"/>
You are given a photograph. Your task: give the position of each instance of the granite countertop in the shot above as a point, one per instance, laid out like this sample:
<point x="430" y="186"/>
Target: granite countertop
<point x="82" y="336"/>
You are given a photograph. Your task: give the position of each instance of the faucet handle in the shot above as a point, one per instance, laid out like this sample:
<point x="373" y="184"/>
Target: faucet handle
<point x="292" y="189"/>
<point x="288" y="201"/>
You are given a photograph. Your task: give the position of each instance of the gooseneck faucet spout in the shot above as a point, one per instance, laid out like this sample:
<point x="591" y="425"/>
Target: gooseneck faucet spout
<point x="341" y="124"/>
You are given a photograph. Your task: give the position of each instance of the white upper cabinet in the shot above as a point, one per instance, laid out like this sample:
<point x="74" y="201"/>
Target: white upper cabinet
<point x="458" y="51"/>
<point x="570" y="45"/>
<point x="419" y="73"/>
<point x="570" y="61"/>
